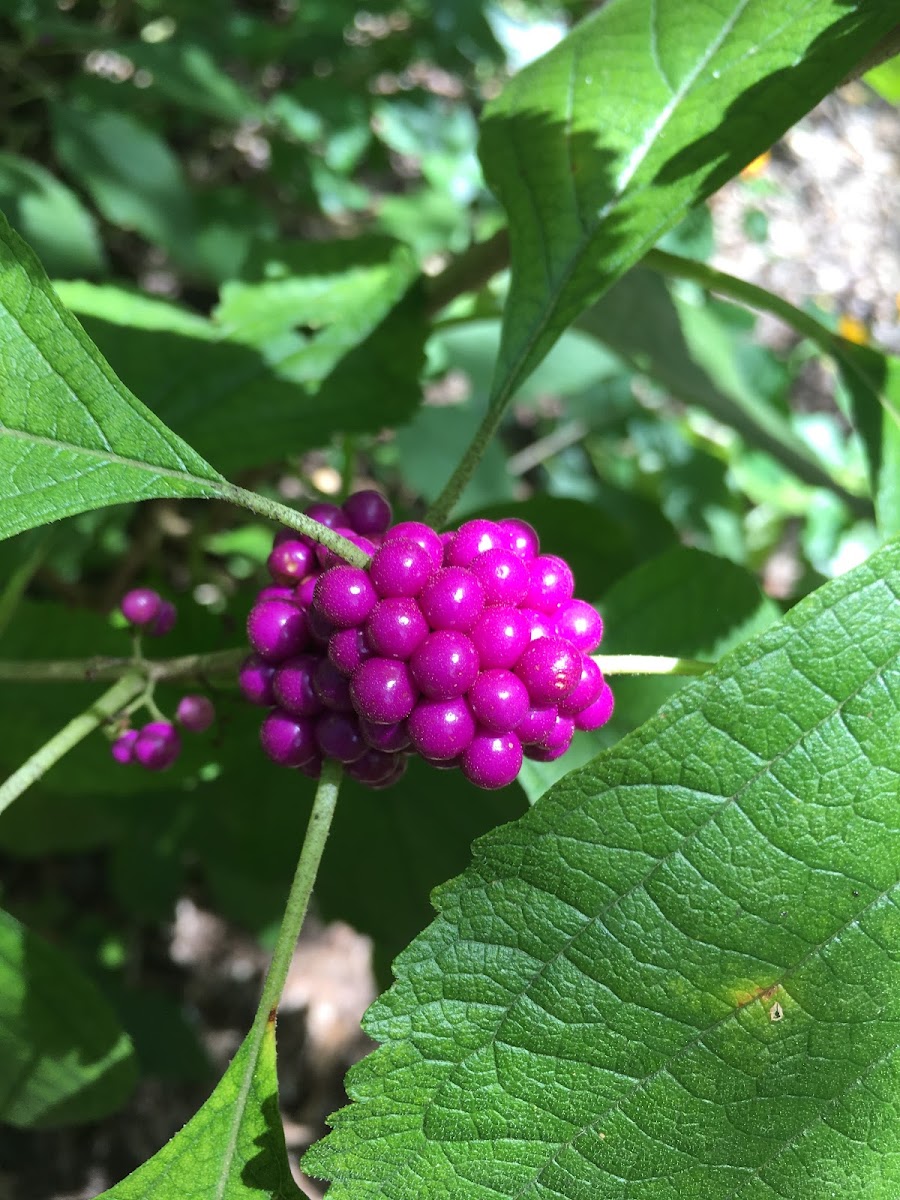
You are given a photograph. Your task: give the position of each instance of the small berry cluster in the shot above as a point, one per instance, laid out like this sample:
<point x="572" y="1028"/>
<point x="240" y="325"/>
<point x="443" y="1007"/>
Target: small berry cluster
<point x="156" y="745"/>
<point x="467" y="648"/>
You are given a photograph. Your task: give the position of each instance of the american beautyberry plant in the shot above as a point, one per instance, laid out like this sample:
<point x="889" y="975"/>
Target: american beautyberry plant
<point x="537" y="467"/>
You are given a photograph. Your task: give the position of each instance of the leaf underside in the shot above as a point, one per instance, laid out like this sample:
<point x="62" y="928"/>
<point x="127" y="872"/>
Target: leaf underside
<point x="676" y="976"/>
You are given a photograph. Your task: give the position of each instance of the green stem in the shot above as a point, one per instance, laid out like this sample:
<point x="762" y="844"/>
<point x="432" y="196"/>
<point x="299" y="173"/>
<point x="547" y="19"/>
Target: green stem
<point x="284" y="515"/>
<point x="832" y="344"/>
<point x="110" y="703"/>
<point x="199" y="667"/>
<point x="650" y="664"/>
<point x="317" y="831"/>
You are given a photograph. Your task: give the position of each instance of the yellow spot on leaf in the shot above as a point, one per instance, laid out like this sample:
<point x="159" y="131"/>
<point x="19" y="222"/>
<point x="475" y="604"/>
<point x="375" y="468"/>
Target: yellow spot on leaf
<point x="754" y="169"/>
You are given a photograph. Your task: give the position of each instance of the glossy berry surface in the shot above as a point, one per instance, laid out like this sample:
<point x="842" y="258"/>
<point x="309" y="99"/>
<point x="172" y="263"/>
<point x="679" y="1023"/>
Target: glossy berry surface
<point x="500" y="636"/>
<point x="503" y="577"/>
<point x="423" y="535"/>
<point x="367" y="512"/>
<point x="521" y="538"/>
<point x="492" y="760"/>
<point x="329" y="558"/>
<point x="141" y="606"/>
<point x="277" y="629"/>
<point x="452" y="599"/>
<point x="598" y="713"/>
<point x="122" y="749"/>
<point x="289" y="741"/>
<point x="555" y="743"/>
<point x="536" y="725"/>
<point x="375" y="768"/>
<point x="441" y="729"/>
<point x="388" y="738"/>
<point x="473" y="538"/>
<point x="550" y="668"/>
<point x="580" y="623"/>
<point x="344" y="596"/>
<point x="290" y="561"/>
<point x="157" y="746"/>
<point x="383" y="691"/>
<point x="395" y="627"/>
<point x="164" y="621"/>
<point x="445" y="665"/>
<point x="338" y="736"/>
<point x="400" y="567"/>
<point x="292" y="686"/>
<point x="552" y="583"/>
<point x="327" y="514"/>
<point x="332" y="688"/>
<point x="255" y="680"/>
<point x="195" y="713"/>
<point x="347" y="648"/>
<point x="588" y="688"/>
<point x="499" y="700"/>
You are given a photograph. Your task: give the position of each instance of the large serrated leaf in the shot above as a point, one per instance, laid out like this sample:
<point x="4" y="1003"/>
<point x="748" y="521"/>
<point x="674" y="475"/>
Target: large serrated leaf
<point x="648" y="106"/>
<point x="63" y="1055"/>
<point x="72" y="437"/>
<point x="677" y="976"/>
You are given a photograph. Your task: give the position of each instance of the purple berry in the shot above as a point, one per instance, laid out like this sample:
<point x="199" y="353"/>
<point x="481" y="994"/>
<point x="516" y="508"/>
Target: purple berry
<point x="586" y="690"/>
<point x="441" y="729"/>
<point x="344" y="596"/>
<point x="339" y="737"/>
<point x="522" y="538"/>
<point x="445" y="665"/>
<point x="552" y="583"/>
<point x="540" y="625"/>
<point x="304" y="591"/>
<point x="141" y="606"/>
<point x="290" y="561"/>
<point x="277" y="629"/>
<point x="320" y="629"/>
<point x="255" y="680"/>
<point x="383" y="691"/>
<point x="504" y="577"/>
<point x="374" y="768"/>
<point x="452" y="599"/>
<point x="473" y="538"/>
<point x="492" y="760"/>
<point x="292" y="686"/>
<point x="536" y="725"/>
<point x="399" y="770"/>
<point x="332" y="688"/>
<point x="401" y="567"/>
<point x="580" y="623"/>
<point x="329" y="558"/>
<point x="422" y="535"/>
<point x="276" y="592"/>
<point x="289" y="741"/>
<point x="157" y="746"/>
<point x="367" y="512"/>
<point x="326" y="514"/>
<point x="395" y="627"/>
<point x="500" y="636"/>
<point x="347" y="649"/>
<point x="598" y="713"/>
<point x="164" y="621"/>
<point x="195" y="713"/>
<point x="387" y="738"/>
<point x="556" y="743"/>
<point x="550" y="668"/>
<point x="499" y="700"/>
<point x="122" y="748"/>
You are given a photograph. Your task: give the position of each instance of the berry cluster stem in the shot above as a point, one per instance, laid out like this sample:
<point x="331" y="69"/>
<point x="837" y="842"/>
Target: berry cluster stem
<point x="110" y="703"/>
<point x="198" y="667"/>
<point x="650" y="664"/>
<point x="293" y="519"/>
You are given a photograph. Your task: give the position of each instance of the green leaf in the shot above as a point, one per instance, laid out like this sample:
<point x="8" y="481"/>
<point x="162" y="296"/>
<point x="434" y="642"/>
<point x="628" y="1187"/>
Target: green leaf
<point x="51" y="217"/>
<point x="676" y="975"/>
<point x="872" y="381"/>
<point x="72" y="437"/>
<point x="63" y="1056"/>
<point x="648" y="106"/>
<point x="233" y="1148"/>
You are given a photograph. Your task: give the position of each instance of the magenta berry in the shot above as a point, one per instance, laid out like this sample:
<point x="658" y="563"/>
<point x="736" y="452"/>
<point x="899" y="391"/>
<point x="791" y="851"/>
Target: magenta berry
<point x="332" y="688"/>
<point x="492" y="760"/>
<point x="276" y="591"/>
<point x="400" y="567"/>
<point x="344" y="596"/>
<point x="535" y="726"/>
<point x="347" y="648"/>
<point x="499" y="700"/>
<point x="141" y="606"/>
<point x="540" y="625"/>
<point x="122" y="748"/>
<point x="580" y="623"/>
<point x="290" y="561"/>
<point x="452" y="599"/>
<point x="277" y="629"/>
<point x="367" y="512"/>
<point x="445" y="665"/>
<point x="423" y="535"/>
<point x="550" y="668"/>
<point x="375" y="768"/>
<point x="304" y="591"/>
<point x="598" y="713"/>
<point x="326" y="514"/>
<point x="500" y="636"/>
<point x="521" y="538"/>
<point x="383" y="691"/>
<point x="289" y="741"/>
<point x="441" y="729"/>
<point x="292" y="686"/>
<point x="388" y="738"/>
<point x="556" y="742"/>
<point x="164" y="620"/>
<point x="503" y="576"/>
<point x="157" y="746"/>
<point x="586" y="690"/>
<point x="552" y="583"/>
<point x="473" y="538"/>
<point x="330" y="558"/>
<point x="255" y="680"/>
<point x="195" y="713"/>
<point x="395" y="627"/>
<point x="338" y="736"/>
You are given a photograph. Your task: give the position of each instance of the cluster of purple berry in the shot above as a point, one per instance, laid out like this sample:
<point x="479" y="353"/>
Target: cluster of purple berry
<point x="156" y="745"/>
<point x="467" y="648"/>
